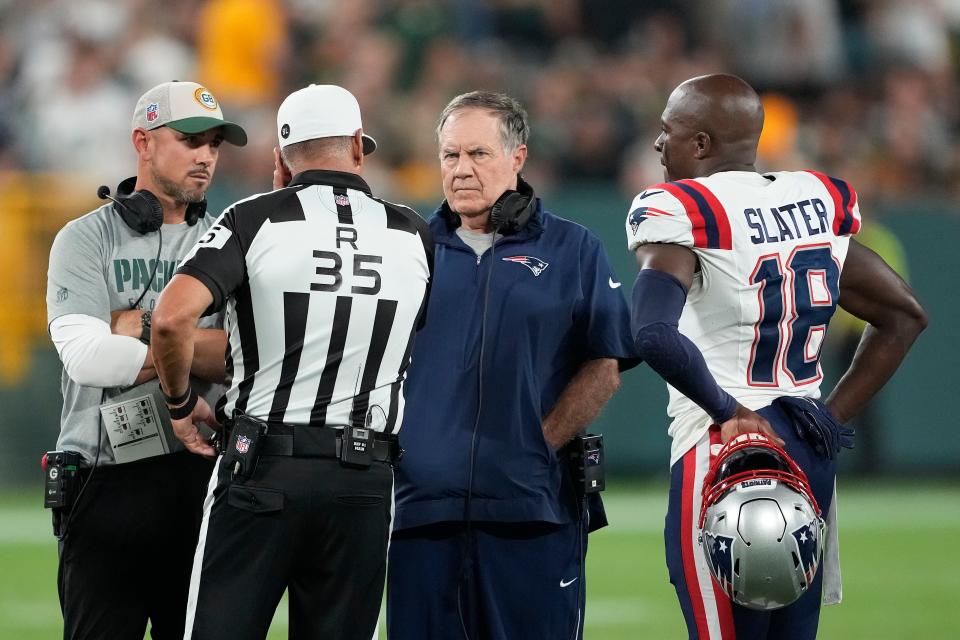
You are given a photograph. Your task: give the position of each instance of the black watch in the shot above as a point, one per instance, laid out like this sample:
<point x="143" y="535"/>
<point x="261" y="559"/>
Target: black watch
<point x="145" y="326"/>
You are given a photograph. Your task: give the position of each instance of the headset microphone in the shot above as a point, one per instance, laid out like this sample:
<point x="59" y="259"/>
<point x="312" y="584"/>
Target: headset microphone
<point x="130" y="218"/>
<point x="140" y="210"/>
<point x="103" y="192"/>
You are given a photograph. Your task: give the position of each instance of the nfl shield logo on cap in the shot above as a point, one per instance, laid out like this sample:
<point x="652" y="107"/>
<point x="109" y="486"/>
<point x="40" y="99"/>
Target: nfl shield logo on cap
<point x="153" y="111"/>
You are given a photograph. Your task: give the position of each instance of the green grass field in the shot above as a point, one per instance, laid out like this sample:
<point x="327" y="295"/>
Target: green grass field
<point x="900" y="547"/>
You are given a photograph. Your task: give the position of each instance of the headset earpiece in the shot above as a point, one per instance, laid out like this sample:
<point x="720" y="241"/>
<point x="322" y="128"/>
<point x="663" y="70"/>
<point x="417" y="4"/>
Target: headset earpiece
<point x="139" y="210"/>
<point x="513" y="209"/>
<point x="195" y="211"/>
<point x="143" y="213"/>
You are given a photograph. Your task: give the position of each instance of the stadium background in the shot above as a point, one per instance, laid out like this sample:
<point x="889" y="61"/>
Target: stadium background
<point x="863" y="89"/>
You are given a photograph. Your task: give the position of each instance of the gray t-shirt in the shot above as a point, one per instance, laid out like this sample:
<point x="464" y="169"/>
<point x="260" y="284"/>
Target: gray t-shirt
<point x="99" y="265"/>
<point x="476" y="240"/>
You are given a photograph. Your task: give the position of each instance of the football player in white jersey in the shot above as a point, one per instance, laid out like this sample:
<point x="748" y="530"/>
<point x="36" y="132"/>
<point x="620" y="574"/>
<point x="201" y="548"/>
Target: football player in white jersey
<point x="740" y="272"/>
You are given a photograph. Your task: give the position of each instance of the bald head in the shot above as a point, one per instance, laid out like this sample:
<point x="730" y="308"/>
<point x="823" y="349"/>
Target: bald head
<point x="711" y="123"/>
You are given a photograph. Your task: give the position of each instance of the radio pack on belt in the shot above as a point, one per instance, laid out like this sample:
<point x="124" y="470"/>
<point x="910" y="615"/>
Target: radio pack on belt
<point x="61" y="478"/>
<point x="240" y="450"/>
<point x="585" y="455"/>
<point x="357" y="447"/>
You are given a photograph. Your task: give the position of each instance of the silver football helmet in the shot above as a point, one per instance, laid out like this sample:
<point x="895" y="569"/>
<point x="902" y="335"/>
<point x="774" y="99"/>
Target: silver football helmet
<point x="760" y="526"/>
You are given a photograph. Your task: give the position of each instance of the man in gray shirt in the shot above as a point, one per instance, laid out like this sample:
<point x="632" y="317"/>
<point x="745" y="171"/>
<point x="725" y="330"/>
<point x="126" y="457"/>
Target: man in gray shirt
<point x="128" y="535"/>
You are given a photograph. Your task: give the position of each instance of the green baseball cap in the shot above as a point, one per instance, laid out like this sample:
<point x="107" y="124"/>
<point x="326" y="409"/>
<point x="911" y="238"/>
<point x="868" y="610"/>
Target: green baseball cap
<point x="186" y="107"/>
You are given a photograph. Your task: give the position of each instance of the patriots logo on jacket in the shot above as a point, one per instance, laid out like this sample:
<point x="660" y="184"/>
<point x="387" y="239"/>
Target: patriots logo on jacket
<point x="721" y="558"/>
<point x="806" y="537"/>
<point x="638" y="215"/>
<point x="536" y="265"/>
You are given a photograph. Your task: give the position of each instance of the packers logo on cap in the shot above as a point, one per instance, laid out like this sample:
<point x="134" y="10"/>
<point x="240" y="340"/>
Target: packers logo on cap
<point x="205" y="98"/>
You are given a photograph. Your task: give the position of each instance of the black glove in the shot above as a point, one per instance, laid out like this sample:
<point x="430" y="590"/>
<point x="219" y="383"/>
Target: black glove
<point x="814" y="423"/>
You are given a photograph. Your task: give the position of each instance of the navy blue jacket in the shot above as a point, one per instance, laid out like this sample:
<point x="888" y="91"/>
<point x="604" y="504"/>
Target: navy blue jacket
<point x="554" y="303"/>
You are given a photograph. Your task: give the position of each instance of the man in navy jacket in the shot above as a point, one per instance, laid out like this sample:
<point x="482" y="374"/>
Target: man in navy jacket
<point x="527" y="331"/>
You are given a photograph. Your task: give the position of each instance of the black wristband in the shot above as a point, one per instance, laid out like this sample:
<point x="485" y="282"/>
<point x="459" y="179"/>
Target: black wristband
<point x="176" y="400"/>
<point x="183" y="411"/>
<point x="145" y="321"/>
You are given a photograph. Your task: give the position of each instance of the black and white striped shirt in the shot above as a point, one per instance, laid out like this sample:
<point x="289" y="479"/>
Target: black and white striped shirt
<point x="324" y="286"/>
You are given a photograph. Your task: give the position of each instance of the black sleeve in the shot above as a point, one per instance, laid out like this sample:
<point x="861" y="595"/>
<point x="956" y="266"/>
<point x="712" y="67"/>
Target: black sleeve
<point x="218" y="260"/>
<point x="426" y="237"/>
<point x="404" y="218"/>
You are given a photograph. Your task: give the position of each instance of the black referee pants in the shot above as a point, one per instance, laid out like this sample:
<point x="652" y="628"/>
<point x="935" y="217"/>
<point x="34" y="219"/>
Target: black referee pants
<point x="127" y="554"/>
<point x="306" y="524"/>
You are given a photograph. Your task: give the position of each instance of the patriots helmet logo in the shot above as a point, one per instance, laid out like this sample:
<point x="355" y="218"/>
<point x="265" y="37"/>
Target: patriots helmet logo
<point x="536" y="265"/>
<point x="719" y="550"/>
<point x="806" y="537"/>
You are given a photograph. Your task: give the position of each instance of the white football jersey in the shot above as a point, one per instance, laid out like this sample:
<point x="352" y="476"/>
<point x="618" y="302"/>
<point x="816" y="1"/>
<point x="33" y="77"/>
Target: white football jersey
<point x="771" y="247"/>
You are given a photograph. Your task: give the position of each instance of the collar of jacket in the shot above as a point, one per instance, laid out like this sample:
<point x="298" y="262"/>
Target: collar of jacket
<point x="333" y="178"/>
<point x="444" y="223"/>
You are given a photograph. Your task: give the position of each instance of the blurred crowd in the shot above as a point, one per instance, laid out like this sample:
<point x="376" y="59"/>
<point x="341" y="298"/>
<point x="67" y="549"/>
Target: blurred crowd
<point x="865" y="89"/>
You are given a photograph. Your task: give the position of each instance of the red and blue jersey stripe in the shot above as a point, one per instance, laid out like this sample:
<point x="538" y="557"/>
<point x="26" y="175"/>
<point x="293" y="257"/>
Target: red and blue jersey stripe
<point x="845" y="223"/>
<point x="711" y="227"/>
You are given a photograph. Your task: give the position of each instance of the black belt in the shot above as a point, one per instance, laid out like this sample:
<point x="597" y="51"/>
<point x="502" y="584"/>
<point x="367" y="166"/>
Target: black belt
<point x="321" y="442"/>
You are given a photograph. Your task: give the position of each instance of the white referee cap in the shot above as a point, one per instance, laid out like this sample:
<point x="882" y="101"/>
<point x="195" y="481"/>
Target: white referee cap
<point x="186" y="107"/>
<point x="320" y="111"/>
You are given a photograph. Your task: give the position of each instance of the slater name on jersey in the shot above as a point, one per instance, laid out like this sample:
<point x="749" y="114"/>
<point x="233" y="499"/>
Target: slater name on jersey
<point x="787" y="222"/>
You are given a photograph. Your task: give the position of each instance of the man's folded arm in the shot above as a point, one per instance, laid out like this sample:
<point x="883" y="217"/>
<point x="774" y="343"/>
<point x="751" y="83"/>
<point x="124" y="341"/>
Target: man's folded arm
<point x="93" y="356"/>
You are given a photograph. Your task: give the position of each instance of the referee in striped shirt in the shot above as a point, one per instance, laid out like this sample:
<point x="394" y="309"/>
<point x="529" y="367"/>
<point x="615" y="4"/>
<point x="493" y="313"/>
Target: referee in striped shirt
<point x="324" y="286"/>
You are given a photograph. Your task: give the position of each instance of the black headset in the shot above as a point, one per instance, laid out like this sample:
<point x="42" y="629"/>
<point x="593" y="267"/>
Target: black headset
<point x="513" y="209"/>
<point x="141" y="210"/>
<point x="509" y="214"/>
